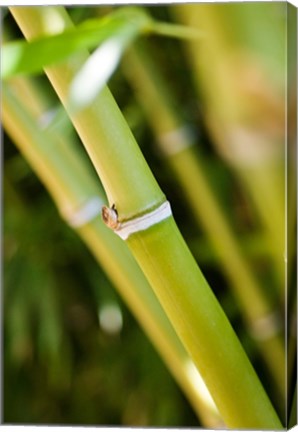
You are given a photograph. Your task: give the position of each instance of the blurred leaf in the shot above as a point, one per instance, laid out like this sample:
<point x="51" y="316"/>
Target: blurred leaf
<point x="113" y="34"/>
<point x="22" y="57"/>
<point x="102" y="63"/>
<point x="97" y="70"/>
<point x="175" y="30"/>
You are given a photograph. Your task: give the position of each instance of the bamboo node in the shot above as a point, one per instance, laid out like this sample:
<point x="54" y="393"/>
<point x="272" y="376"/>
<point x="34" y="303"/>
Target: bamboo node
<point x="140" y="223"/>
<point x="177" y="140"/>
<point x="265" y="327"/>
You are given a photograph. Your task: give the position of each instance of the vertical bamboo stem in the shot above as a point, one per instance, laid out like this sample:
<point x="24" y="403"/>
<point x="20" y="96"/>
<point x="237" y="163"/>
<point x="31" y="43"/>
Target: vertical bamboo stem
<point x="180" y="152"/>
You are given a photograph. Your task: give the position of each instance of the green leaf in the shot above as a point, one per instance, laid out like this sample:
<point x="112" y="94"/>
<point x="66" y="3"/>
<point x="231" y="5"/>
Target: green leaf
<point x="99" y="67"/>
<point x="102" y="63"/>
<point x="176" y="30"/>
<point x="117" y="30"/>
<point x="22" y="57"/>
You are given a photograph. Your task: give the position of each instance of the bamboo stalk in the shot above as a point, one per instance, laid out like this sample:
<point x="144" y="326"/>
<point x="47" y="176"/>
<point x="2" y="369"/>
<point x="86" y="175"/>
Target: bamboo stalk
<point x="70" y="184"/>
<point x="161" y="251"/>
<point x="180" y="152"/>
<point x="252" y="244"/>
<point x="243" y="92"/>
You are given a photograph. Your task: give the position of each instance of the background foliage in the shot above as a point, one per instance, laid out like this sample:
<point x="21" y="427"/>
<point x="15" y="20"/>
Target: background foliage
<point x="61" y="365"/>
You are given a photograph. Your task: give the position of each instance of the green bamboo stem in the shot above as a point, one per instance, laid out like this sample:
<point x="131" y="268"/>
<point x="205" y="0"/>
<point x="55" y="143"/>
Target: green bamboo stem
<point x="71" y="185"/>
<point x="33" y="23"/>
<point x="244" y="285"/>
<point x="161" y="251"/>
<point x="266" y="191"/>
<point x="244" y="111"/>
<point x="198" y="319"/>
<point x="164" y="120"/>
<point x="252" y="245"/>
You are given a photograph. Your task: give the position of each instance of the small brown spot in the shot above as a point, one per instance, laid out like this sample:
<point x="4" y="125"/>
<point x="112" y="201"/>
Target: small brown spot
<point x="110" y="217"/>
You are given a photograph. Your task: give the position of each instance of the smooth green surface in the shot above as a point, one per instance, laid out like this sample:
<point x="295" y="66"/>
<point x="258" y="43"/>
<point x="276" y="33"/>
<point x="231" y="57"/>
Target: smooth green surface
<point x="156" y="99"/>
<point x="203" y="327"/>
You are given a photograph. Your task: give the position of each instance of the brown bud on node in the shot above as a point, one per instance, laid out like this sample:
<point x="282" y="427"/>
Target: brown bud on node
<point x="110" y="217"/>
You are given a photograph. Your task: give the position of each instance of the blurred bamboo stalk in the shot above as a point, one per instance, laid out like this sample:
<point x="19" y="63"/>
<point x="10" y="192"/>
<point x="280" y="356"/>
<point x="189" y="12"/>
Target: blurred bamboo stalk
<point x="239" y="70"/>
<point x="67" y="179"/>
<point x="252" y="245"/>
<point x="177" y="145"/>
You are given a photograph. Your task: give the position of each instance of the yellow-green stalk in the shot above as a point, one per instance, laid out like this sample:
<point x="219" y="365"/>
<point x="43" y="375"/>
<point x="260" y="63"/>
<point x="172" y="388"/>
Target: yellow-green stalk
<point x="176" y="142"/>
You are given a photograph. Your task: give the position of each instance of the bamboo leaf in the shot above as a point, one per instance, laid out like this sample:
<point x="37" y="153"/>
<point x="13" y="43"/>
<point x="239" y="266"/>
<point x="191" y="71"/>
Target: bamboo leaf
<point x="176" y="30"/>
<point x="116" y="30"/>
<point x="99" y="67"/>
<point x="22" y="57"/>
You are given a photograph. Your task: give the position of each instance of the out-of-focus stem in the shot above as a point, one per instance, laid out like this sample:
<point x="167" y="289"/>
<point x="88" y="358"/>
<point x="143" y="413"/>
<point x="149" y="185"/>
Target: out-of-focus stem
<point x="181" y="155"/>
<point x="241" y="77"/>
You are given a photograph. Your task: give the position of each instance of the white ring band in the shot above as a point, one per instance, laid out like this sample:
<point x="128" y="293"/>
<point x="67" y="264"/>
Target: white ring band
<point x="177" y="140"/>
<point x="84" y="214"/>
<point x="265" y="327"/>
<point x="144" y="222"/>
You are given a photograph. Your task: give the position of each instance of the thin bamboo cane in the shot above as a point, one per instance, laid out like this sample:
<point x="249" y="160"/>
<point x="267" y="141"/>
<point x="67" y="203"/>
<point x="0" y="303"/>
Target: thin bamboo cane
<point x="244" y="111"/>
